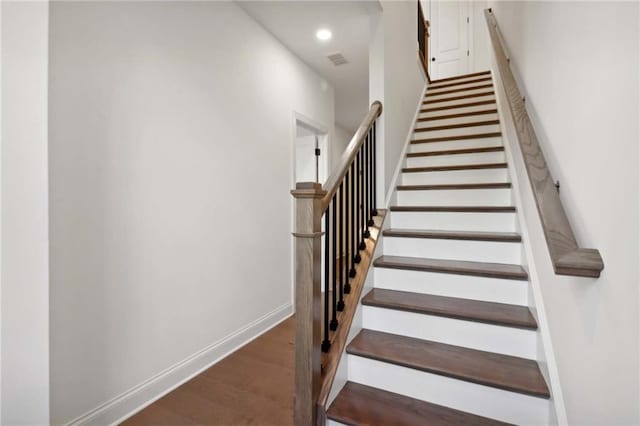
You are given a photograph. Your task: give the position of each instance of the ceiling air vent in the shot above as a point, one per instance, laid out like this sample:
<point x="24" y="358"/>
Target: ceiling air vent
<point x="337" y="59"/>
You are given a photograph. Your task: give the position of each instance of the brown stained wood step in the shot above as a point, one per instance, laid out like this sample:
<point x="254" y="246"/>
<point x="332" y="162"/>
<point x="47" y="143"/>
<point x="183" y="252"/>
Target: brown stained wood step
<point x="458" y="138"/>
<point x="458" y="125"/>
<point x="457" y="98"/>
<point x="460" y="115"/>
<point x="436" y="234"/>
<point x="459" y="267"/>
<point x="462" y="89"/>
<point x="454" y="168"/>
<point x="468" y="104"/>
<point x="459" y="77"/>
<point x="358" y="404"/>
<point x="450" y="186"/>
<point x="458" y="83"/>
<point x="450" y="307"/>
<point x="456" y="151"/>
<point x="484" y="368"/>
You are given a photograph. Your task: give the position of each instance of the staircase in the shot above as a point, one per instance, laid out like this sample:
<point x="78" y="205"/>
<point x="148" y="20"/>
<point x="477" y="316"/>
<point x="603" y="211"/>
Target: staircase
<point x="448" y="336"/>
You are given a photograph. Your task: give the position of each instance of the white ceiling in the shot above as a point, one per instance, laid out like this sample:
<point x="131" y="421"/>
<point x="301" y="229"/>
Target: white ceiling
<point x="295" y="23"/>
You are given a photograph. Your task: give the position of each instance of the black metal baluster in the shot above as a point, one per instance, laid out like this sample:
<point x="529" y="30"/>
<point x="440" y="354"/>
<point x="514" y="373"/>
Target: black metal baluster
<point x="361" y="220"/>
<point x="326" y="343"/>
<point x="371" y="177"/>
<point x="354" y="229"/>
<point x="367" y="199"/>
<point x="341" y="231"/>
<point x="358" y="205"/>
<point x="373" y="184"/>
<point x="334" y="270"/>
<point x="347" y="242"/>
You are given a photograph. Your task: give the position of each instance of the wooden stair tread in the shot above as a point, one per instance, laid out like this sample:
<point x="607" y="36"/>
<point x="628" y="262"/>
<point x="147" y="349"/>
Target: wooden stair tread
<point x="458" y="126"/>
<point x="507" y="237"/>
<point x="469" y="104"/>
<point x="461" y="89"/>
<point x="358" y="404"/>
<point x="485" y="368"/>
<point x="457" y="98"/>
<point x="458" y="138"/>
<point x="459" y="267"/>
<point x="449" y="186"/>
<point x="458" y="83"/>
<point x="459" y="77"/>
<point x="463" y="309"/>
<point x="459" y="115"/>
<point x="456" y="151"/>
<point x="454" y="168"/>
<point x="458" y="209"/>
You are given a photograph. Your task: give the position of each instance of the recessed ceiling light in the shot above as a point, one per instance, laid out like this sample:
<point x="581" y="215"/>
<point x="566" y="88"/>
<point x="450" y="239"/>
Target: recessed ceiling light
<point x="323" y="34"/>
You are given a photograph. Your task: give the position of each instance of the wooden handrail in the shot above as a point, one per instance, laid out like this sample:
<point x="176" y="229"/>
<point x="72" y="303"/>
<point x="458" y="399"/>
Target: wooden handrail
<point x="333" y="182"/>
<point x="566" y="256"/>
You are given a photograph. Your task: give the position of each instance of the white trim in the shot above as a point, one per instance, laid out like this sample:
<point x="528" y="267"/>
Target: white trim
<point x="135" y="399"/>
<point x="546" y="357"/>
<point x="403" y="154"/>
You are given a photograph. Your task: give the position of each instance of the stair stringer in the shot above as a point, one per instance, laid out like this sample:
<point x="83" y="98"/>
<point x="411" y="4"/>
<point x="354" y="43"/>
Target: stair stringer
<point x="356" y="326"/>
<point x="519" y="181"/>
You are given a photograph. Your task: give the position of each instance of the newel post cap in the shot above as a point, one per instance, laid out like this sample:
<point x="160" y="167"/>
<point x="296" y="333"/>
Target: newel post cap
<point x="308" y="190"/>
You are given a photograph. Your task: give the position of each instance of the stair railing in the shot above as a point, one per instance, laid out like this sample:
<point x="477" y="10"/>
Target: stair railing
<point x="348" y="203"/>
<point x="423" y="41"/>
<point x="566" y="256"/>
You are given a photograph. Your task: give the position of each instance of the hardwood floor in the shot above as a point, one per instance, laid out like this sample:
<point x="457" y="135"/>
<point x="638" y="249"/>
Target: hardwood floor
<point x="253" y="386"/>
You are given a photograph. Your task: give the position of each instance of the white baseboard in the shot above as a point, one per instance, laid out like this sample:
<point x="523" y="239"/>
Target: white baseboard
<point x="135" y="399"/>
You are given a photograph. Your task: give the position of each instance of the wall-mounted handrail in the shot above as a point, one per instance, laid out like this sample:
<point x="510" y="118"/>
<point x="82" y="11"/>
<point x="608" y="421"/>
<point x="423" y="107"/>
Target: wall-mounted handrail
<point x="566" y="256"/>
<point x="347" y="201"/>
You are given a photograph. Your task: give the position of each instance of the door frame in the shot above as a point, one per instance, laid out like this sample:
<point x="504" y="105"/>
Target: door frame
<point x="324" y="143"/>
<point x="435" y="38"/>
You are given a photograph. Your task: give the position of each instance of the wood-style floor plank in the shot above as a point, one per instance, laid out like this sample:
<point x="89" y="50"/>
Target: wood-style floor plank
<point x="252" y="386"/>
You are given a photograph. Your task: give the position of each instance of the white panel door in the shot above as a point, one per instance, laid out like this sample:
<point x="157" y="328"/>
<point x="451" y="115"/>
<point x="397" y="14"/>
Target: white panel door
<point x="450" y="38"/>
<point x="306" y="161"/>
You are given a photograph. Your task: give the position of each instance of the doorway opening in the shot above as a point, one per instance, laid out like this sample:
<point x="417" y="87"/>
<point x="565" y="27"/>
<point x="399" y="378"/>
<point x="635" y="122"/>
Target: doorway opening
<point x="310" y="146"/>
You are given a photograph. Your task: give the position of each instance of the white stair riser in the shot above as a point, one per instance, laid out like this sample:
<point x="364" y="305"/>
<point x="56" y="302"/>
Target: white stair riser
<point x="430" y="111"/>
<point x="492" y="128"/>
<point x="455" y="176"/>
<point x="458" y="101"/>
<point x="456" y="197"/>
<point x="475" y="251"/>
<point x="457" y="120"/>
<point x="454" y="221"/>
<point x="468" y="90"/>
<point x="456" y="159"/>
<point x="485" y="289"/>
<point x="455" y="144"/>
<point x="463" y="83"/>
<point x="334" y="423"/>
<point x="482" y="400"/>
<point x="475" y="335"/>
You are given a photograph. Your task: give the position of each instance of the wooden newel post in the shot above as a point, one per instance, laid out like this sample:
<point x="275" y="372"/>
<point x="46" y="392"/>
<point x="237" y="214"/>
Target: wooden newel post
<point x="308" y="263"/>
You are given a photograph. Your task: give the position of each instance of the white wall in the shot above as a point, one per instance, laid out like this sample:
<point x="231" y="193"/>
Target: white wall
<point x="24" y="372"/>
<point x="580" y="80"/>
<point x="171" y="150"/>
<point x="479" y="43"/>
<point x="396" y="79"/>
<point x="342" y="137"/>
